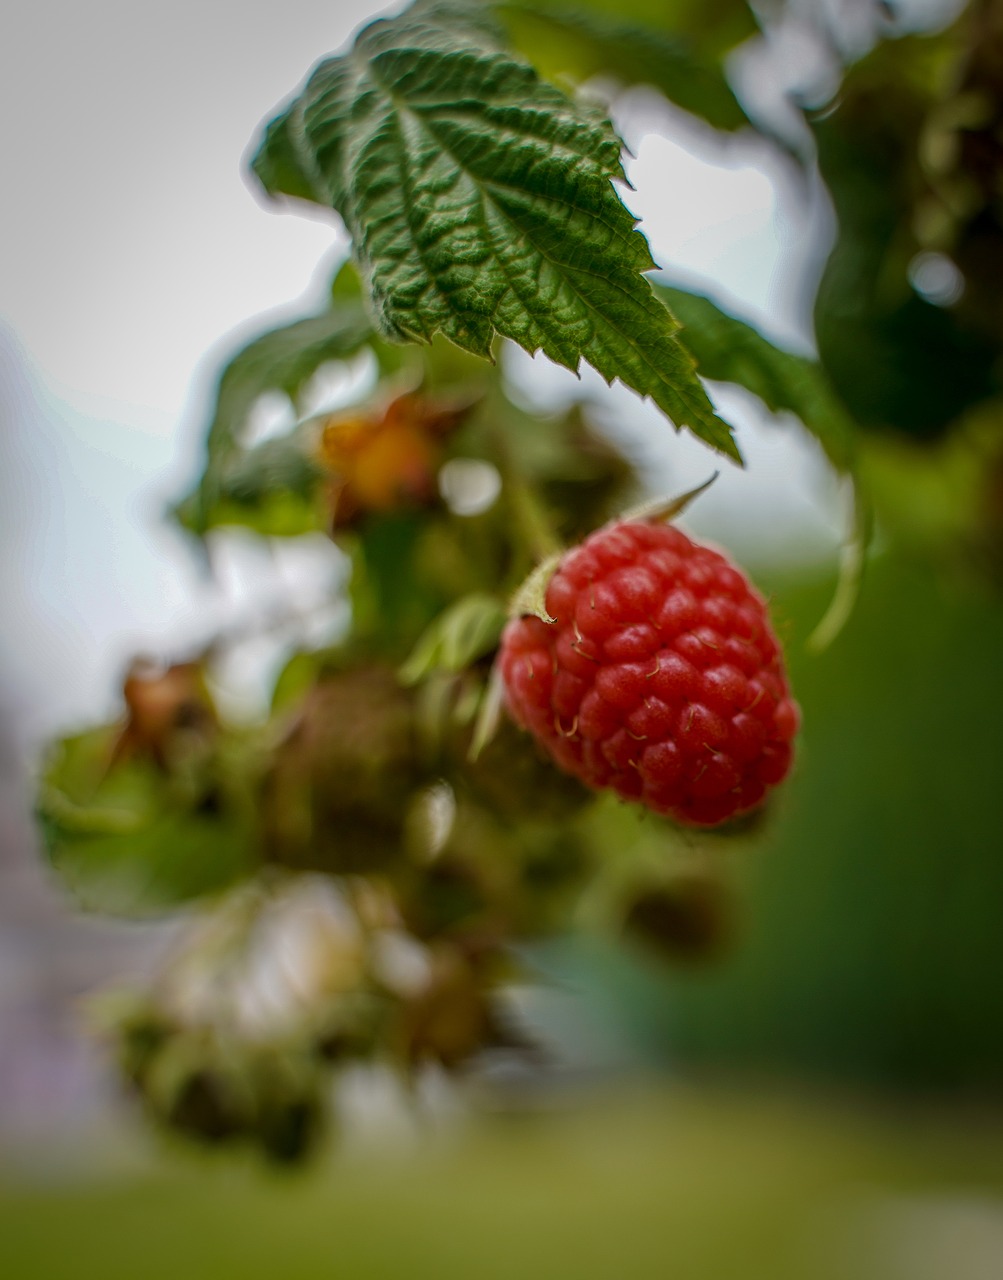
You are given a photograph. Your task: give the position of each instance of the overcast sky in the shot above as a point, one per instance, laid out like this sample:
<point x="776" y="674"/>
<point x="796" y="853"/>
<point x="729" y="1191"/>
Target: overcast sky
<point x="132" y="243"/>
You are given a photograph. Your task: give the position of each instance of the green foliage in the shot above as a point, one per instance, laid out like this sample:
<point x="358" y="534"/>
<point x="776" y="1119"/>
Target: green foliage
<point x="392" y="601"/>
<point x="461" y="634"/>
<point x="575" y="44"/>
<point x="939" y="501"/>
<point x="710" y="27"/>
<point x="130" y="839"/>
<point x="283" y="360"/>
<point x="480" y="204"/>
<point x="729" y="350"/>
<point x="272" y="488"/>
<point x="898" y="360"/>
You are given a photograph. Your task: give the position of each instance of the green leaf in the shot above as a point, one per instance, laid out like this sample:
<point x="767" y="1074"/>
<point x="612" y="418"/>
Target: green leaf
<point x="273" y="489"/>
<point x="710" y="26"/>
<point x="729" y="350"/>
<point x="900" y="362"/>
<point x="129" y="840"/>
<point x="578" y="44"/>
<point x="489" y="714"/>
<point x="281" y="170"/>
<point x="464" y="632"/>
<point x="283" y="360"/>
<point x="303" y="670"/>
<point x="480" y="204"/>
<point x="392" y="600"/>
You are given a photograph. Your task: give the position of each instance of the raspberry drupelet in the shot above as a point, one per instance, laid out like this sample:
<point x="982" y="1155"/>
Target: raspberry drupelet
<point x="660" y="676"/>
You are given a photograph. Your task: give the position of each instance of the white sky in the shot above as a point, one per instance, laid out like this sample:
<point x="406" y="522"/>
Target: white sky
<point x="131" y="244"/>
<point x="131" y="241"/>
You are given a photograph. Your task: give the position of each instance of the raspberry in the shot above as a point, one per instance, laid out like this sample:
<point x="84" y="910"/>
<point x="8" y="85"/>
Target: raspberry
<point x="660" y="676"/>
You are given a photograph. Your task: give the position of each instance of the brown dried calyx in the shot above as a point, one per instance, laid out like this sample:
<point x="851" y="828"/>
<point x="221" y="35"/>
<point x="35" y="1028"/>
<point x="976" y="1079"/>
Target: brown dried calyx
<point x="168" y="710"/>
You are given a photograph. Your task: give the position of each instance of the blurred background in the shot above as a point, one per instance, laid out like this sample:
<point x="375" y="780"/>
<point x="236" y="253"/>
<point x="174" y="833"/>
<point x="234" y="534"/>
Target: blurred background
<point x="823" y="1099"/>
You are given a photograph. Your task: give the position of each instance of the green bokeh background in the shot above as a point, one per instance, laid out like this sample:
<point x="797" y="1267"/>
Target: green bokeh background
<point x="715" y="1186"/>
<point x="871" y="945"/>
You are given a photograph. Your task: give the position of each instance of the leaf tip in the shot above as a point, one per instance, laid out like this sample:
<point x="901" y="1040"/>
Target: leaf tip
<point x="488" y="715"/>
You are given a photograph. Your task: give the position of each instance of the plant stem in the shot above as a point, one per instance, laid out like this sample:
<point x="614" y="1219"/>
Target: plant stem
<point x="530" y="518"/>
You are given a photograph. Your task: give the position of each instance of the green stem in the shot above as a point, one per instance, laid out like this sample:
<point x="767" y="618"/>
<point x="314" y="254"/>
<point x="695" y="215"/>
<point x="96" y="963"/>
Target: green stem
<point x="530" y="517"/>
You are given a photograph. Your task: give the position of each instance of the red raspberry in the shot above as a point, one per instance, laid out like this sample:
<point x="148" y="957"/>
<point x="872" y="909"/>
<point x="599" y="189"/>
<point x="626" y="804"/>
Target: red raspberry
<point x="660" y="676"/>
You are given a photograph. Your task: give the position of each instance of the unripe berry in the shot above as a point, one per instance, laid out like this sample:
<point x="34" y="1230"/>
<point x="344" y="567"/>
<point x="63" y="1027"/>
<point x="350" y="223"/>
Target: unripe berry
<point x="659" y="676"/>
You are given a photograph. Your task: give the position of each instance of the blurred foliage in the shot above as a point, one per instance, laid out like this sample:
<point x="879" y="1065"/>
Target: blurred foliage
<point x="729" y="350"/>
<point x="898" y="359"/>
<point x="711" y="26"/>
<point x="851" y="929"/>
<point x="574" y="43"/>
<point x="710" y="1186"/>
<point x="281" y="360"/>
<point x="153" y="811"/>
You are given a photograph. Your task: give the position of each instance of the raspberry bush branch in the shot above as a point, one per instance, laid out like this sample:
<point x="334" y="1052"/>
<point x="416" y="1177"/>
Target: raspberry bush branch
<point x="385" y="809"/>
